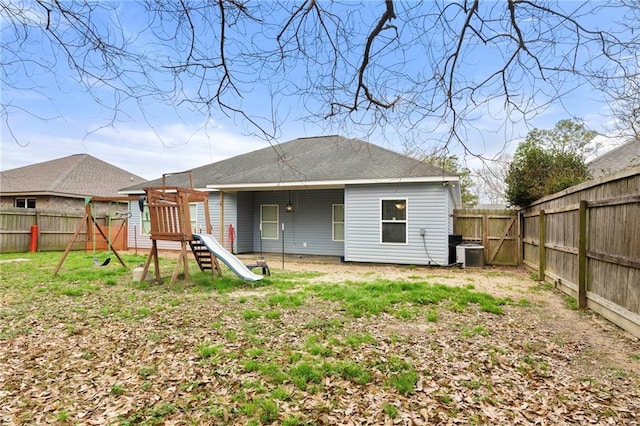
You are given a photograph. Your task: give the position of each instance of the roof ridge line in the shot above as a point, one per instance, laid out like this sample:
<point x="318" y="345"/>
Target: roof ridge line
<point x="62" y="176"/>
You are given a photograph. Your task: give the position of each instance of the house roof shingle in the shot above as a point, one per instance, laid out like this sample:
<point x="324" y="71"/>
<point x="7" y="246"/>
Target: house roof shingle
<point x="307" y="160"/>
<point x="619" y="158"/>
<point x="76" y="175"/>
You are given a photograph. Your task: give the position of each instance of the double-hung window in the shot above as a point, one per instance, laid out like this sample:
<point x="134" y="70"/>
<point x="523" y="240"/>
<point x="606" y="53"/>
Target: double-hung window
<point x="338" y="222"/>
<point x="269" y="221"/>
<point x="393" y="221"/>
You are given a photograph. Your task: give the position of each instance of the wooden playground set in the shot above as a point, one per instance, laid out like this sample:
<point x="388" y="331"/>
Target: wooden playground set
<point x="170" y="219"/>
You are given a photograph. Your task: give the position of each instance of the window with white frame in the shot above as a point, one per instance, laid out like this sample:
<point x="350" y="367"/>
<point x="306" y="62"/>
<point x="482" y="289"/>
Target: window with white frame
<point x="193" y="215"/>
<point x="269" y="216"/>
<point x="338" y="222"/>
<point x="145" y="221"/>
<point x="25" y="203"/>
<point x="393" y="224"/>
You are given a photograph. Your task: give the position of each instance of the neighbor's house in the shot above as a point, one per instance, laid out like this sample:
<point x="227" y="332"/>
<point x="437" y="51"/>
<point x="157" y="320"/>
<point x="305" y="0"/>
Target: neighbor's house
<point x="619" y="158"/>
<point x="322" y="196"/>
<point x="62" y="184"/>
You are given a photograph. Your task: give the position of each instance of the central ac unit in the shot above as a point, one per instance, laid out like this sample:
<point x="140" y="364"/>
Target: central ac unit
<point x="470" y="255"/>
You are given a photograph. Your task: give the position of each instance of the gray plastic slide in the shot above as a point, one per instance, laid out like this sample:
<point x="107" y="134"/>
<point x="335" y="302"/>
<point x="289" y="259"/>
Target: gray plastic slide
<point x="229" y="259"/>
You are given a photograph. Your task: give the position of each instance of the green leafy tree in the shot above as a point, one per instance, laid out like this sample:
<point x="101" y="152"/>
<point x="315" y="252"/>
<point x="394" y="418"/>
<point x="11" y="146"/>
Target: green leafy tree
<point x="567" y="137"/>
<point x="549" y="161"/>
<point x="450" y="163"/>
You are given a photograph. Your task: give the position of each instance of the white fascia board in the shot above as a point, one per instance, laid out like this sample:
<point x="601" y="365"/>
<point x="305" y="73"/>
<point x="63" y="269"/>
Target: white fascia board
<point x="142" y="191"/>
<point x="331" y="184"/>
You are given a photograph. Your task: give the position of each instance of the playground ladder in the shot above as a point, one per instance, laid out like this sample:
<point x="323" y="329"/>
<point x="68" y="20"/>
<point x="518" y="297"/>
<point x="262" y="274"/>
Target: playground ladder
<point x="206" y="261"/>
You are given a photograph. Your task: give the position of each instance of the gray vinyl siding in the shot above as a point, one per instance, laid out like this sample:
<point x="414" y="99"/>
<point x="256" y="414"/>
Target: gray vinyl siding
<point x="308" y="229"/>
<point x="451" y="206"/>
<point x="230" y="216"/>
<point x="427" y="208"/>
<point x="245" y="228"/>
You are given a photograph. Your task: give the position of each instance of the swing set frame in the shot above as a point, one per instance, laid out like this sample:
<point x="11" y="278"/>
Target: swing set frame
<point x="88" y="221"/>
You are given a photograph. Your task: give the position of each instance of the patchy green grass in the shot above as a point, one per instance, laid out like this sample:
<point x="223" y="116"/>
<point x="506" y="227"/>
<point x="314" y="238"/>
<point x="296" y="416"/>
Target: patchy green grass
<point x="570" y="302"/>
<point x="287" y="350"/>
<point x="374" y="298"/>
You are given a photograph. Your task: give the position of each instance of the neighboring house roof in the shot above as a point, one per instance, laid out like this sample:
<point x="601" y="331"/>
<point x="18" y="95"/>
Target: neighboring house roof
<point x="78" y="175"/>
<point x="315" y="162"/>
<point x="622" y="157"/>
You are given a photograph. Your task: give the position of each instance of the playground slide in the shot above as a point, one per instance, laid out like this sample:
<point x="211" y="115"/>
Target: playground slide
<point x="229" y="259"/>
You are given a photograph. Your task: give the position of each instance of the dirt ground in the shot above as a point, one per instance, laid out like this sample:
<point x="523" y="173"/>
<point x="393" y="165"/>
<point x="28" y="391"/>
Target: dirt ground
<point x="126" y="355"/>
<point x="607" y="344"/>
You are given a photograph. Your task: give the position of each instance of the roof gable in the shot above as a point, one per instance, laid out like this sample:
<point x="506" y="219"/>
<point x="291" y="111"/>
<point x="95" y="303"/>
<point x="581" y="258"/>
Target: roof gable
<point x="76" y="175"/>
<point x="314" y="159"/>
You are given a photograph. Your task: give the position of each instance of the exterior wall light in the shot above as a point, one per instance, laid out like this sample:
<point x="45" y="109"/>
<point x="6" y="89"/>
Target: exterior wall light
<point x="289" y="207"/>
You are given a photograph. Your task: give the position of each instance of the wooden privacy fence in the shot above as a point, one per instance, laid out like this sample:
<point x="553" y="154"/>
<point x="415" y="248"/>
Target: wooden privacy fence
<point x="495" y="230"/>
<point x="586" y="240"/>
<point x="55" y="231"/>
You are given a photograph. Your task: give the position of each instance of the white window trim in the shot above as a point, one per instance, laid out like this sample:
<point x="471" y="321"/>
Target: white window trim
<point x="333" y="222"/>
<point x="194" y="217"/>
<point x="405" y="221"/>
<point x="142" y="220"/>
<point x="26" y="202"/>
<point x="277" y="221"/>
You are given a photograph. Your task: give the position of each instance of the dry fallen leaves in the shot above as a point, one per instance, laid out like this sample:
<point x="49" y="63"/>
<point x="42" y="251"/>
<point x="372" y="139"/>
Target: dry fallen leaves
<point x="75" y="361"/>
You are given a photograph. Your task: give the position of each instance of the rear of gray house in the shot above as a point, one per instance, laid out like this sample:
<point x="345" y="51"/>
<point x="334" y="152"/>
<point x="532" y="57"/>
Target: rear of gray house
<point x="329" y="196"/>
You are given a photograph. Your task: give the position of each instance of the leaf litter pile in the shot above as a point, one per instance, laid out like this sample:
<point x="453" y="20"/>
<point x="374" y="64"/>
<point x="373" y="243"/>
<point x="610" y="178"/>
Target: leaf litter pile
<point x="315" y="343"/>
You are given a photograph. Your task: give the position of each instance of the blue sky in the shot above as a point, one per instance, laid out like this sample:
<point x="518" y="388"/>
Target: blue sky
<point x="51" y="115"/>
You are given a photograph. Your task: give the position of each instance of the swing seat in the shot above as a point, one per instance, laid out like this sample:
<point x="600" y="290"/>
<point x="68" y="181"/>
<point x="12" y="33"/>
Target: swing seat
<point x="98" y="263"/>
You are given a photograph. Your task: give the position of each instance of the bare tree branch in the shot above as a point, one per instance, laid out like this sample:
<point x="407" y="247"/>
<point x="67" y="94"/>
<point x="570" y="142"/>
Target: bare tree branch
<point x="366" y="67"/>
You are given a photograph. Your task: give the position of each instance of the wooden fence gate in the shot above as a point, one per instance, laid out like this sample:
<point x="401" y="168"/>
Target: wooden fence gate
<point x="496" y="230"/>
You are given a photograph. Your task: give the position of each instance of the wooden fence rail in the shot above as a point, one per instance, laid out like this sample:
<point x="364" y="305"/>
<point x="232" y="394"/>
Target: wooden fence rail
<point x="586" y="240"/>
<point x="55" y="231"/>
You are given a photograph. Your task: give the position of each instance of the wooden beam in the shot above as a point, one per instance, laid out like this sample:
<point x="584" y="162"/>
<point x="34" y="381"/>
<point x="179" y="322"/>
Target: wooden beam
<point x="116" y="199"/>
<point x="614" y="259"/>
<point x="82" y="222"/>
<point x="485" y="237"/>
<point x="582" y="256"/>
<point x="635" y="198"/>
<point x="542" y="256"/>
<point x="520" y="244"/>
<point x="569" y="208"/>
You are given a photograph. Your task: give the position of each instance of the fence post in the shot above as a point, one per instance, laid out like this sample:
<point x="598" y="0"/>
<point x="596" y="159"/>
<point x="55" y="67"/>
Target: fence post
<point x="542" y="260"/>
<point x="520" y="238"/>
<point x="485" y="236"/>
<point x="582" y="256"/>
